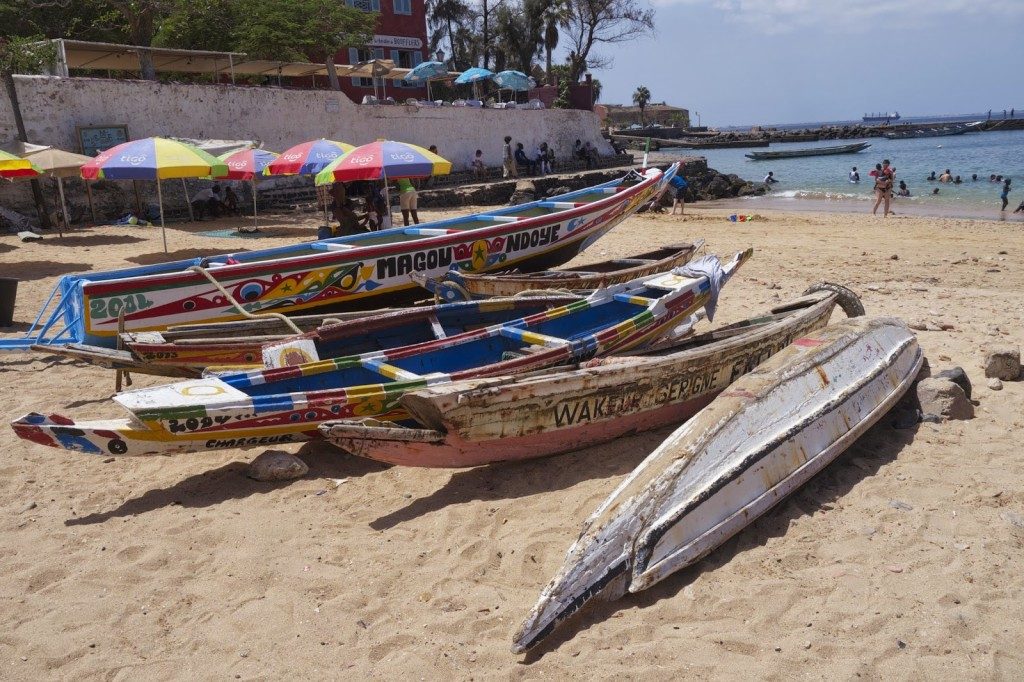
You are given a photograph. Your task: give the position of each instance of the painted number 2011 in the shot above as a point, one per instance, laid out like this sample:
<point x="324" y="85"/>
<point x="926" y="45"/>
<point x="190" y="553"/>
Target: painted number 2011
<point x="112" y="307"/>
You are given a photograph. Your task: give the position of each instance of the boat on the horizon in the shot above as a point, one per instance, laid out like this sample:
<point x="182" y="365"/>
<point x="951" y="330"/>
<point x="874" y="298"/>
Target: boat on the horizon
<point x="813" y="151"/>
<point x="342" y="273"/>
<point x="915" y="132"/>
<point x="884" y="117"/>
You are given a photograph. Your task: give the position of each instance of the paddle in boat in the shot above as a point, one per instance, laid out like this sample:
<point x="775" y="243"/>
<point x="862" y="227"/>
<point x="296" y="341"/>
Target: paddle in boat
<point x="757" y="442"/>
<point x="286" y="405"/>
<point x="360" y="271"/>
<point x="463" y="286"/>
<point x="483" y="421"/>
<point x="168" y="354"/>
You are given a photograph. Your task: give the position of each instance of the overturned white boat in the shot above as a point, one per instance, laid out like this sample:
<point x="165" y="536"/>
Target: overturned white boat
<point x="761" y="439"/>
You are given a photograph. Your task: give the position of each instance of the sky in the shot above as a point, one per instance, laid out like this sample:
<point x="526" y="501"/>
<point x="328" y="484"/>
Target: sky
<point x="739" y="62"/>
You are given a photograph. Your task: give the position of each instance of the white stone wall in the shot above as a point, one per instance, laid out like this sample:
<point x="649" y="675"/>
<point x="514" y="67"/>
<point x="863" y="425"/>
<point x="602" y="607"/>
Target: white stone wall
<point x="52" y="107"/>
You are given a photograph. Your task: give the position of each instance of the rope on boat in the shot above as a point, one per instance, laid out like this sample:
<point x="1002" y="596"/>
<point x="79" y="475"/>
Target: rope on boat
<point x="238" y="306"/>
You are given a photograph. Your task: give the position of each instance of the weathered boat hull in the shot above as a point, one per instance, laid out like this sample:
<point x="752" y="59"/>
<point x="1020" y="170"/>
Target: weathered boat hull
<point x="801" y="153"/>
<point x="454" y="286"/>
<point x="272" y="406"/>
<point x="479" y="422"/>
<point x="764" y="437"/>
<point x="367" y="270"/>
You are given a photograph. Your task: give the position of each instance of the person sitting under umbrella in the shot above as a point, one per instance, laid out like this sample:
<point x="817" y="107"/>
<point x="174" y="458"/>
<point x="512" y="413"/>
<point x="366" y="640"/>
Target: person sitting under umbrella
<point x="206" y="199"/>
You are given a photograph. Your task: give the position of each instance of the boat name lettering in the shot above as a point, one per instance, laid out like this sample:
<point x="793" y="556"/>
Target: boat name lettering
<point x="113" y="305"/>
<point x="194" y="423"/>
<point x="246" y="442"/>
<point x="403" y="264"/>
<point x="756" y="356"/>
<point x="540" y="236"/>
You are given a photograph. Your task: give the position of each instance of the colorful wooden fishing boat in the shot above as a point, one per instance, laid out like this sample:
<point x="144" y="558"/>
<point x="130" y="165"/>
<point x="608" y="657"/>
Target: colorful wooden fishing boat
<point x="285" y="405"/>
<point x="482" y="421"/>
<point x="170" y="354"/>
<point x="366" y="270"/>
<point x="760" y="440"/>
<point x="464" y="286"/>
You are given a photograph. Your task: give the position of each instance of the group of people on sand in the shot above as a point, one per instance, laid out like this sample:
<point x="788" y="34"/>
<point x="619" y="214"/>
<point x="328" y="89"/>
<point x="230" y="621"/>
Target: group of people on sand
<point x="211" y="201"/>
<point x="514" y="159"/>
<point x="374" y="212"/>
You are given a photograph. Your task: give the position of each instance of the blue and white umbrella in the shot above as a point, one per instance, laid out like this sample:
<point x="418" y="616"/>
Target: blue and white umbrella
<point x="474" y="75"/>
<point x="425" y="71"/>
<point x="512" y="80"/>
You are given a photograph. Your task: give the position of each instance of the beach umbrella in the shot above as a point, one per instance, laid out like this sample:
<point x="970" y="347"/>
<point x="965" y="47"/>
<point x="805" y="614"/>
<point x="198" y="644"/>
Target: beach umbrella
<point x="153" y="158"/>
<point x="308" y="158"/>
<point x="247" y="164"/>
<point x="384" y="159"/>
<point x="12" y="166"/>
<point x="424" y="72"/>
<point x="474" y="75"/>
<point x="512" y="80"/>
<point x="61" y="164"/>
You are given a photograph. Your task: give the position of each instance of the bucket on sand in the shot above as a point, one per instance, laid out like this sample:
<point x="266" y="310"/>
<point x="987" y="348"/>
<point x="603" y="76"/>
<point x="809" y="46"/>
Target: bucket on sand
<point x="8" y="292"/>
<point x="324" y="232"/>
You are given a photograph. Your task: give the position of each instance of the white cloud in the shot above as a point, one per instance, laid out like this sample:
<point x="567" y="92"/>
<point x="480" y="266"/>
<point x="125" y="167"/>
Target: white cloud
<point x="779" y="16"/>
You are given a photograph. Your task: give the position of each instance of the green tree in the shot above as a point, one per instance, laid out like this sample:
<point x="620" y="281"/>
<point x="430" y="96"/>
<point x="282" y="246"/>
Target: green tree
<point x="201" y="25"/>
<point x="555" y="15"/>
<point x="445" y="17"/>
<point x="602" y="22"/>
<point x="640" y="98"/>
<point x="302" y="29"/>
<point x="140" y="20"/>
<point x="518" y="34"/>
<point x="20" y="54"/>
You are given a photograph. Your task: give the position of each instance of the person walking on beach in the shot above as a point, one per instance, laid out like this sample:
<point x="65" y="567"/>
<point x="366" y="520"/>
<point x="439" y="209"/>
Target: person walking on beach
<point x="883" y="190"/>
<point x="508" y="161"/>
<point x="407" y="201"/>
<point x="1005" y="195"/>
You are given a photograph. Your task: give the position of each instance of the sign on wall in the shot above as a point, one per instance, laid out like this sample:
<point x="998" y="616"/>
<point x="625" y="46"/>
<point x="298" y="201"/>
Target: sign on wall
<point x="94" y="139"/>
<point x="402" y="42"/>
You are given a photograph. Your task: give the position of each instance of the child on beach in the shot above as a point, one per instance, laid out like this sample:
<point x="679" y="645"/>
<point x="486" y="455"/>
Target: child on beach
<point x="1005" y="195"/>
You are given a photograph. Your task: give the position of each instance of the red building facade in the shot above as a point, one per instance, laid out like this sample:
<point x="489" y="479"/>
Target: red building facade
<point x="401" y="36"/>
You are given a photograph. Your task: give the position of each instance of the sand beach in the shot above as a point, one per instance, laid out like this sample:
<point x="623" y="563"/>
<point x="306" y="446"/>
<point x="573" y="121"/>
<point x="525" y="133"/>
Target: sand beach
<point x="900" y="561"/>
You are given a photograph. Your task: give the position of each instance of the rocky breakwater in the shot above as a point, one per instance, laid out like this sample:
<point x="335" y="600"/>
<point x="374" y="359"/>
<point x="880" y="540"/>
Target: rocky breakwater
<point x="705" y="184"/>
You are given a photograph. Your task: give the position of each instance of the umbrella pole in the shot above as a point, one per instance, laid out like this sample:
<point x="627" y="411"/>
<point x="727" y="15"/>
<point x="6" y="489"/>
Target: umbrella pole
<point x="191" y="215"/>
<point x="255" y="220"/>
<point x="92" y="206"/>
<point x="63" y="207"/>
<point x="160" y="200"/>
<point x="387" y="195"/>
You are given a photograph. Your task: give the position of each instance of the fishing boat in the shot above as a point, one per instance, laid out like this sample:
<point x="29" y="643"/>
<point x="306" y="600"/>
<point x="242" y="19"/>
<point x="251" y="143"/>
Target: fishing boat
<point x="483" y="421"/>
<point x="933" y="131"/>
<point x="760" y="440"/>
<point x="813" y="151"/>
<point x="286" y="405"/>
<point x="360" y="271"/>
<point x="189" y="353"/>
<point x="884" y="117"/>
<point x="464" y="286"/>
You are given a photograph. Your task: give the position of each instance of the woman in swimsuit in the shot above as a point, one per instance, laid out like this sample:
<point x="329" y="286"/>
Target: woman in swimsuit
<point x="883" y="190"/>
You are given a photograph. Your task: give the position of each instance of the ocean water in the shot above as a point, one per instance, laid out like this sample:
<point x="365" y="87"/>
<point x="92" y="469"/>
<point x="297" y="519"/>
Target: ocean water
<point x="822" y="180"/>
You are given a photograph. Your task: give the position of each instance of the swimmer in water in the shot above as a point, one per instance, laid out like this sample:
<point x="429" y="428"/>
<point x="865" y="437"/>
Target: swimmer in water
<point x="931" y="178"/>
<point x="854" y="175"/>
<point x="903" y="191"/>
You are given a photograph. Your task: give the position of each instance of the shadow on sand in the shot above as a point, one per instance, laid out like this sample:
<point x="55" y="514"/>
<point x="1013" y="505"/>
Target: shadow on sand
<point x="96" y="239"/>
<point x="879" y="446"/>
<point x="510" y="480"/>
<point x="229" y="482"/>
<point x="157" y="257"/>
<point x="28" y="270"/>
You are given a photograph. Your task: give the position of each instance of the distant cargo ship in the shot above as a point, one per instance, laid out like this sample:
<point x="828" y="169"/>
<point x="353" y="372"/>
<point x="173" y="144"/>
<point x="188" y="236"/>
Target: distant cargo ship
<point x="884" y="117"/>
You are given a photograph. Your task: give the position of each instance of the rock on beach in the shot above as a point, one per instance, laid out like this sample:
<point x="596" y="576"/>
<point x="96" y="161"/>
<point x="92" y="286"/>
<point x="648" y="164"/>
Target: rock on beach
<point x="277" y="465"/>
<point x="1002" y="362"/>
<point x="944" y="398"/>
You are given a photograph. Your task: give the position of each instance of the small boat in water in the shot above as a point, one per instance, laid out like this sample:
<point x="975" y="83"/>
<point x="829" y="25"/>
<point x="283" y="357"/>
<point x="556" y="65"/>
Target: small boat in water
<point x="463" y="286"/>
<point x="286" y="405"/>
<point x="813" y="151"/>
<point x="483" y="421"/>
<point x="760" y="440"/>
<point x="933" y="131"/>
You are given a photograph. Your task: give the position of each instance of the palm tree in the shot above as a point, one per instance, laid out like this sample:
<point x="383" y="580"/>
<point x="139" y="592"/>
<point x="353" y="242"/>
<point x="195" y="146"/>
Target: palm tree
<point x="640" y="98"/>
<point x="445" y="16"/>
<point x="555" y="15"/>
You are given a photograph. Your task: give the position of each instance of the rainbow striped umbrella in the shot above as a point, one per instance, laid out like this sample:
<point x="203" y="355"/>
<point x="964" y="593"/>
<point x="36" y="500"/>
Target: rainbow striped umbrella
<point x="308" y="158"/>
<point x="247" y="164"/>
<point x="153" y="158"/>
<point x="384" y="159"/>
<point x="12" y="166"/>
